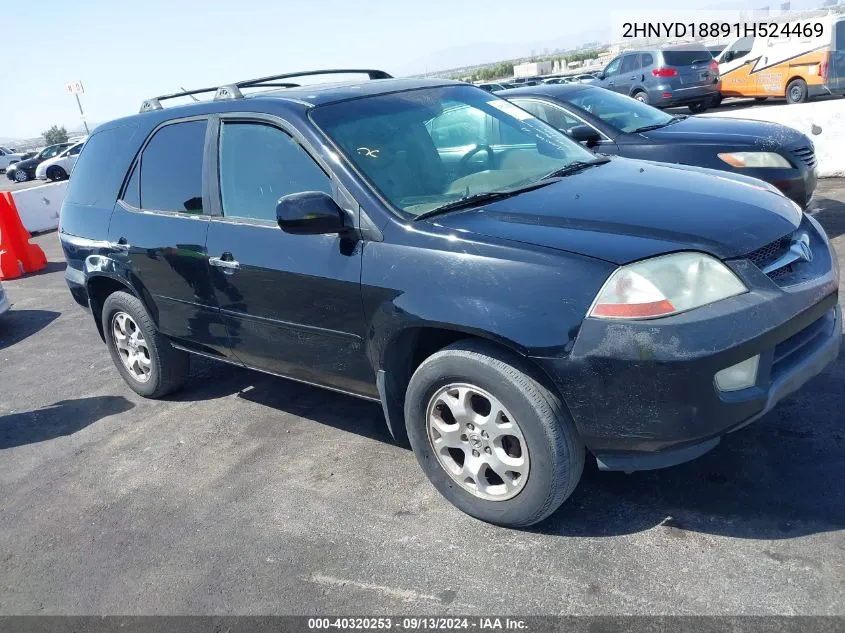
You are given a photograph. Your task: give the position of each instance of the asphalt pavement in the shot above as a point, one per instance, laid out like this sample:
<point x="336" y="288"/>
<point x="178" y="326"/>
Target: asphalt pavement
<point x="11" y="185"/>
<point x="249" y="494"/>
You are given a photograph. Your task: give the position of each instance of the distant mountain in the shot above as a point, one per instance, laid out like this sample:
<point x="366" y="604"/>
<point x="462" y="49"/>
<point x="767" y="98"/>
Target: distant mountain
<point x="490" y="52"/>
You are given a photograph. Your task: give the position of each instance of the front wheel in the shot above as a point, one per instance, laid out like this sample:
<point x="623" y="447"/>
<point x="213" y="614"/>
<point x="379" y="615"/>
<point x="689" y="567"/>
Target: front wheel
<point x="21" y="175"/>
<point x="490" y="436"/>
<point x="56" y="173"/>
<point x="146" y="360"/>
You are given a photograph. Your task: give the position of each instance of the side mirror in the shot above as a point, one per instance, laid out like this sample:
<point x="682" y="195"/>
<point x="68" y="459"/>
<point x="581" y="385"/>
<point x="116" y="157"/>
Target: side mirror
<point x="584" y="134"/>
<point x="309" y="213"/>
<point x="728" y="56"/>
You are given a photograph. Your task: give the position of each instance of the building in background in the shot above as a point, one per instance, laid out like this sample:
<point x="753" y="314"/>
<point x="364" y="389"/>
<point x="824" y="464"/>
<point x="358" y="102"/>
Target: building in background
<point x="532" y="69"/>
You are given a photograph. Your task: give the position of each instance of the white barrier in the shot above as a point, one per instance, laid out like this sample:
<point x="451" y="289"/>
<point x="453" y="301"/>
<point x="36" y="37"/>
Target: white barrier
<point x="822" y="121"/>
<point x="39" y="207"/>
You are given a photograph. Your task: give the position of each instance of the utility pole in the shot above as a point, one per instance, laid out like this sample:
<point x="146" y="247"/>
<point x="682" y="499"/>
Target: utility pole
<point x="76" y="88"/>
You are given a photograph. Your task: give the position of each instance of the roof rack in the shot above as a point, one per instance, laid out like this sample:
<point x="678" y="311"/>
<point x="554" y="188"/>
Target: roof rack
<point x="233" y="91"/>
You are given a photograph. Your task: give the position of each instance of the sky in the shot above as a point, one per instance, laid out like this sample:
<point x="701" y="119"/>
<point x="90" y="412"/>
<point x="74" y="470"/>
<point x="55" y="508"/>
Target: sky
<point x="124" y="51"/>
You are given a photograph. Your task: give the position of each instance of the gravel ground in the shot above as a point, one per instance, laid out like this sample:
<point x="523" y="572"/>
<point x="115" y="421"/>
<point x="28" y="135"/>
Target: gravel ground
<point x="249" y="494"/>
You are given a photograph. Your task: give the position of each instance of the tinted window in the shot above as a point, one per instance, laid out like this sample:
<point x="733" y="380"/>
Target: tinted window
<point x="171" y="168"/>
<point x="648" y="60"/>
<point x="101" y="167"/>
<point x="74" y="151"/>
<point x="686" y="57"/>
<point x="630" y="63"/>
<point x="132" y="194"/>
<point x="258" y="165"/>
<point x="839" y="42"/>
<point x="550" y="113"/>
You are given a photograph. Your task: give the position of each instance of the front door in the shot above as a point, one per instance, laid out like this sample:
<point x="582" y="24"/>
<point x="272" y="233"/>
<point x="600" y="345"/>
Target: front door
<point x="158" y="228"/>
<point x="291" y="303"/>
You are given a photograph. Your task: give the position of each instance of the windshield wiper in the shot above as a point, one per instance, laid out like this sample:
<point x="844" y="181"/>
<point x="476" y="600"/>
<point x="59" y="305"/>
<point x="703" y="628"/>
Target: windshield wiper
<point x="476" y="199"/>
<point x="574" y="167"/>
<point x="657" y="126"/>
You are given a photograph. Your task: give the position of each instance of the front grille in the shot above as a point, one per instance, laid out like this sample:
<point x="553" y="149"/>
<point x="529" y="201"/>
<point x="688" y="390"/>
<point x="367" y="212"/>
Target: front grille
<point x="765" y="255"/>
<point x="806" y="155"/>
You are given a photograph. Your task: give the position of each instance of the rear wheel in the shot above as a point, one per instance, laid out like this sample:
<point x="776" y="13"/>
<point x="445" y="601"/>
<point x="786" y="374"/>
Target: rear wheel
<point x="490" y="436"/>
<point x="641" y="96"/>
<point x="146" y="360"/>
<point x="796" y="91"/>
<point x="698" y="107"/>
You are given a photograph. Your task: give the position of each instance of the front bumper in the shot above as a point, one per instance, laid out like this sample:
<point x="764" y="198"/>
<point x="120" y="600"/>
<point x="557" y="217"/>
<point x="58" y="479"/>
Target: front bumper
<point x="797" y="183"/>
<point x="642" y="393"/>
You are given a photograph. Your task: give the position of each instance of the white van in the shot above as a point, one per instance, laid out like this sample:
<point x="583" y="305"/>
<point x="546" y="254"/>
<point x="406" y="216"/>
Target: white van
<point x="797" y="67"/>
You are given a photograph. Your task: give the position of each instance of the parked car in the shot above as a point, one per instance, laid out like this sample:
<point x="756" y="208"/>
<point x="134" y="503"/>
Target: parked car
<point x="27" y="155"/>
<point x="25" y="169"/>
<point x="614" y="124"/>
<point x="8" y="157"/>
<point x="59" y="167"/>
<point x="4" y="300"/>
<point x="684" y="75"/>
<point x="584" y="78"/>
<point x="794" y="68"/>
<point x="509" y="297"/>
<point x="556" y="80"/>
<point x="490" y="87"/>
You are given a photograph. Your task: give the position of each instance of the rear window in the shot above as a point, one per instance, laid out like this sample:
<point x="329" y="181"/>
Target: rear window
<point x="839" y="42"/>
<point x="686" y="57"/>
<point x="99" y="172"/>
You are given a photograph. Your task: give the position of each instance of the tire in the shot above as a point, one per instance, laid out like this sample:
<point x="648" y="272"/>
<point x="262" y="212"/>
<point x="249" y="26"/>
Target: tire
<point x="553" y="455"/>
<point x="796" y="91"/>
<point x="698" y="107"/>
<point x="641" y="96"/>
<point x="21" y="175"/>
<point x="168" y="367"/>
<point x="56" y="173"/>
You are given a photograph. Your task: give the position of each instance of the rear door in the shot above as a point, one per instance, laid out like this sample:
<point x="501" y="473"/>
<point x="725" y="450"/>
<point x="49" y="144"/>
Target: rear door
<point x="836" y="67"/>
<point x="291" y="303"/>
<point x="158" y="229"/>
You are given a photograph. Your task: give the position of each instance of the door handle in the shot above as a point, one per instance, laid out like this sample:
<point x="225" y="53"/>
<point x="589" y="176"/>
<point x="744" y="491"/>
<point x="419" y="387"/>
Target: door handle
<point x="226" y="263"/>
<point x="633" y="77"/>
<point x="120" y="245"/>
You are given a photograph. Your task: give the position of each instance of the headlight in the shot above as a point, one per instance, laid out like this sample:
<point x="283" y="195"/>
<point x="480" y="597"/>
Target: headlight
<point x="665" y="285"/>
<point x="754" y="159"/>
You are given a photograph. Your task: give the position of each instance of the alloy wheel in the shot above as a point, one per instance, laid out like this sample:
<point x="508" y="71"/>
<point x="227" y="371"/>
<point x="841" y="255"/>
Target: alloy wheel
<point x="20" y="175"/>
<point x="477" y="442"/>
<point x="131" y="346"/>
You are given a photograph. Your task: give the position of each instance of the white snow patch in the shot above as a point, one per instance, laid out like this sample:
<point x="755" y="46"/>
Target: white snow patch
<point x="822" y="121"/>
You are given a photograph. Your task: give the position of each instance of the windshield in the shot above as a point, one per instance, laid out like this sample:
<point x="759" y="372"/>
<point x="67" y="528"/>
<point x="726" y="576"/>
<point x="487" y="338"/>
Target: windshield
<point x="623" y="113"/>
<point x="425" y="148"/>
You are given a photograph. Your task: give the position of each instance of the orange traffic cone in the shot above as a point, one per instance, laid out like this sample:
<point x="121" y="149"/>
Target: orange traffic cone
<point x="17" y="255"/>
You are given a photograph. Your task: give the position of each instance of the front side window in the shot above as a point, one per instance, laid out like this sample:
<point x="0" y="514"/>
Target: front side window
<point x="739" y="49"/>
<point x="612" y="67"/>
<point x="621" y="112"/>
<point x="552" y="114"/>
<point x="73" y="151"/>
<point x="404" y="144"/>
<point x="258" y="165"/>
<point x="171" y="168"/>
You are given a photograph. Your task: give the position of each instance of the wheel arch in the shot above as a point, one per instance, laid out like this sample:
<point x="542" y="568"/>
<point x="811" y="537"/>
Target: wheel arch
<point x="99" y="287"/>
<point x="790" y="80"/>
<point x="407" y="348"/>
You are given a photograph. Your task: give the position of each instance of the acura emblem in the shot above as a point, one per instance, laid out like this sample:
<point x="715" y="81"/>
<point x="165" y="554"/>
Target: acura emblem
<point x="801" y="247"/>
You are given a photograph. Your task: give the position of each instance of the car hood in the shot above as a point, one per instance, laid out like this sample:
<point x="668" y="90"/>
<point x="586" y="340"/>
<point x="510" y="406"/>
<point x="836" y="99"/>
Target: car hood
<point x="725" y="131"/>
<point x="627" y="210"/>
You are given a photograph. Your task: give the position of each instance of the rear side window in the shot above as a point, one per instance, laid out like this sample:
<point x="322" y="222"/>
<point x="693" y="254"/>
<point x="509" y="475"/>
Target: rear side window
<point x="630" y="63"/>
<point x="101" y="167"/>
<point x="171" y="168"/>
<point x="258" y="165"/>
<point x="648" y="59"/>
<point x="686" y="57"/>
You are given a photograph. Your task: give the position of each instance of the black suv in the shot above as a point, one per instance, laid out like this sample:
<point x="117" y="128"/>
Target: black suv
<point x="511" y="299"/>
